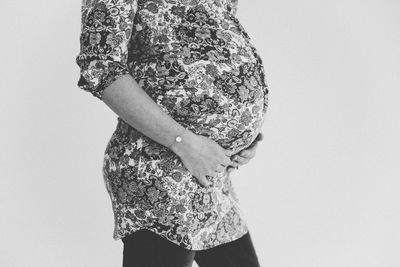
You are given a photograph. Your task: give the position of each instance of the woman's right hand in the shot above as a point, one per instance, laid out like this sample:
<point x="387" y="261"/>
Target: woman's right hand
<point x="201" y="156"/>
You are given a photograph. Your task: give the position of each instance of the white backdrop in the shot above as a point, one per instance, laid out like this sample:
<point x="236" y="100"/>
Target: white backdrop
<point x="326" y="176"/>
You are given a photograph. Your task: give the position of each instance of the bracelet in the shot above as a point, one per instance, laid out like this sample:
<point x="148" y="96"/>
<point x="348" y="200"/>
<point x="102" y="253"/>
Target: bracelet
<point x="178" y="139"/>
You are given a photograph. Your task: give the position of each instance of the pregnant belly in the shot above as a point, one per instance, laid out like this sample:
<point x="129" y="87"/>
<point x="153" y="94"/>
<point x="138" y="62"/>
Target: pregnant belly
<point x="221" y="94"/>
<point x="228" y="106"/>
<point x="234" y="128"/>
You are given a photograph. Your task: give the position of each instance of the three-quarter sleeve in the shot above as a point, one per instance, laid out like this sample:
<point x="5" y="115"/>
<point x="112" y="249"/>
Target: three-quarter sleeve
<point x="106" y="28"/>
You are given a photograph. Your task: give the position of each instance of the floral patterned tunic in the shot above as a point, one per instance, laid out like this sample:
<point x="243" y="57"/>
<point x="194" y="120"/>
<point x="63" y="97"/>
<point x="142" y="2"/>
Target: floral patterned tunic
<point x="196" y="61"/>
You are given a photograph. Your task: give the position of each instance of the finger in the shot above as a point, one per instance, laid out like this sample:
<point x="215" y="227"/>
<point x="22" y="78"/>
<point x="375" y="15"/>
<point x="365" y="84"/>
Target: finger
<point x="249" y="152"/>
<point x="203" y="180"/>
<point x="226" y="161"/>
<point x="241" y="160"/>
<point x="234" y="164"/>
<point x="220" y="168"/>
<point x="232" y="168"/>
<point x="229" y="169"/>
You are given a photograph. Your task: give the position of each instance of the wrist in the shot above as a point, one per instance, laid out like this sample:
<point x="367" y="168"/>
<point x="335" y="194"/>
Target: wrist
<point x="182" y="142"/>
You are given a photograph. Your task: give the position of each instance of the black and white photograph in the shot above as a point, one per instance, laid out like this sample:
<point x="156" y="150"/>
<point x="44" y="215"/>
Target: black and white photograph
<point x="200" y="133"/>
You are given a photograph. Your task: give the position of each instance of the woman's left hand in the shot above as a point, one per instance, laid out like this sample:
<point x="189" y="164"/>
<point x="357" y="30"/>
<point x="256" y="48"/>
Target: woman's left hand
<point x="245" y="155"/>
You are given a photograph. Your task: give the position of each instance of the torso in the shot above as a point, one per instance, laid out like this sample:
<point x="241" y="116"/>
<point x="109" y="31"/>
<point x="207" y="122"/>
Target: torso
<point x="197" y="62"/>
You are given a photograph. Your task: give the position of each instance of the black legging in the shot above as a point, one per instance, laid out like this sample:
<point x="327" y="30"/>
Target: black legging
<point x="144" y="248"/>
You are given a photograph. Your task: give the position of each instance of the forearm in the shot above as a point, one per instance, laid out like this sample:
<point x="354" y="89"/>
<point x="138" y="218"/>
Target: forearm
<point x="130" y="102"/>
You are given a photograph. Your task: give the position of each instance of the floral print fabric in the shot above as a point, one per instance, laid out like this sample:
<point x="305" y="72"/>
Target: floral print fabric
<point x="197" y="62"/>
